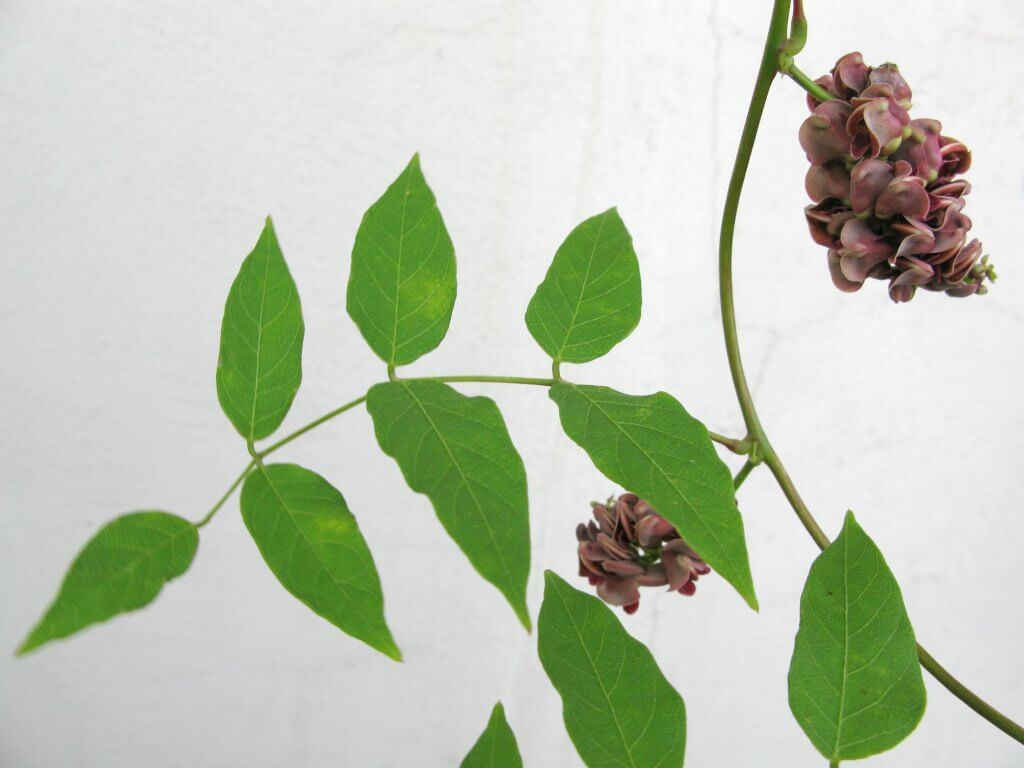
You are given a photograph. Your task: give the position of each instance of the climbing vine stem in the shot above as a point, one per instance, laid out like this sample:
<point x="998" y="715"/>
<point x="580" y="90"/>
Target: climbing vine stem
<point x="770" y="67"/>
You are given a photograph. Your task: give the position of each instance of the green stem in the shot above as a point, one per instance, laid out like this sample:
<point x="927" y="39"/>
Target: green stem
<point x="769" y="68"/>
<point x="765" y="75"/>
<point x="789" y="68"/>
<point x="258" y="456"/>
<point x="745" y="470"/>
<point x="488" y="380"/>
<point x="969" y="697"/>
<point x="312" y="425"/>
<point x="227" y="494"/>
<point x="732" y="443"/>
<point x="796" y="502"/>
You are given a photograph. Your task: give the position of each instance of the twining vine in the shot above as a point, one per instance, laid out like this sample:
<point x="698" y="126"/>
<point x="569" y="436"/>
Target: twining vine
<point x="887" y="194"/>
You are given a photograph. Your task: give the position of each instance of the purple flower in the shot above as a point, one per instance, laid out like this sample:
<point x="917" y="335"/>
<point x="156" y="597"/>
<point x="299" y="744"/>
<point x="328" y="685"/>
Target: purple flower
<point x="886" y="200"/>
<point x="628" y="546"/>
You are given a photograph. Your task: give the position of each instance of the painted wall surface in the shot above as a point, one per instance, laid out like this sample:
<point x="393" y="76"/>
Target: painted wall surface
<point x="141" y="145"/>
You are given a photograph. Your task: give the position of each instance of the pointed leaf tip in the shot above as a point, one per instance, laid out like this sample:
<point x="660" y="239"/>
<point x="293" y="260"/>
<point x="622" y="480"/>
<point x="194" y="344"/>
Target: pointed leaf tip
<point x="312" y="544"/>
<point x="496" y="747"/>
<point x="259" y="369"/>
<point x="590" y="297"/>
<point x="615" y="718"/>
<point x="121" y="569"/>
<point x="456" y="450"/>
<point x="402" y="284"/>
<point x="855" y="684"/>
<point x="523" y="614"/>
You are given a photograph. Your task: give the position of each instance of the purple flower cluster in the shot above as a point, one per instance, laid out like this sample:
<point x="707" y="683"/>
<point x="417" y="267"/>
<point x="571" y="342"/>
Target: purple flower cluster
<point x="632" y="546"/>
<point x="887" y="200"/>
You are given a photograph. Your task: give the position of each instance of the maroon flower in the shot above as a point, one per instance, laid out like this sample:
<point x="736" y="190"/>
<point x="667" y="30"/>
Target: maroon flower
<point x="632" y="546"/>
<point x="886" y="200"/>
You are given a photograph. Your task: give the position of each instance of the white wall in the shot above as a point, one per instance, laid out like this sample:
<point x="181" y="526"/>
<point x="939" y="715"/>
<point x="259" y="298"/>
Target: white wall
<point x="141" y="144"/>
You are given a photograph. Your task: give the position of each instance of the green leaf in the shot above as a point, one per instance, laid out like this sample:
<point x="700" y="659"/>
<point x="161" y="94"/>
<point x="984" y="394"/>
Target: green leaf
<point x="590" y="298"/>
<point x="618" y="707"/>
<point x="496" y="747"/>
<point x="260" y="365"/>
<point x="854" y="682"/>
<point x="122" y="568"/>
<point x="312" y="543"/>
<point x="401" y="289"/>
<point x="456" y="450"/>
<point x="651" y="446"/>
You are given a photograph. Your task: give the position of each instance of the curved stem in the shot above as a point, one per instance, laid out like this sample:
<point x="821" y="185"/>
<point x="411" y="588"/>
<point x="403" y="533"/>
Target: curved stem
<point x="765" y="75"/>
<point x="969" y="697"/>
<point x="796" y="502"/>
<point x="769" y="68"/>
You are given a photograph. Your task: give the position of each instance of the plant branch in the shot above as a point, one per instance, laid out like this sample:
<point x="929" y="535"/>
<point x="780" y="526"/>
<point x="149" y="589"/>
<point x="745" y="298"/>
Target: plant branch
<point x="487" y="380"/>
<point x="258" y="456"/>
<point x="745" y="470"/>
<point x="311" y="426"/>
<point x="392" y="377"/>
<point x="227" y="495"/>
<point x="770" y="66"/>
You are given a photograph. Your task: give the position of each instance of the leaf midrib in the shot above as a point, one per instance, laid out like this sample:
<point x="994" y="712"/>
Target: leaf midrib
<point x="127" y="569"/>
<point x="597" y="676"/>
<point x="398" y="267"/>
<point x="846" y="645"/>
<point x="259" y="346"/>
<point x="340" y="586"/>
<point x="583" y="289"/>
<point x="465" y="480"/>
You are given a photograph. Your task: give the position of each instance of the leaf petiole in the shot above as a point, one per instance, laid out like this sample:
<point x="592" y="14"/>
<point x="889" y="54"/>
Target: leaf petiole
<point x="745" y="470"/>
<point x="227" y="494"/>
